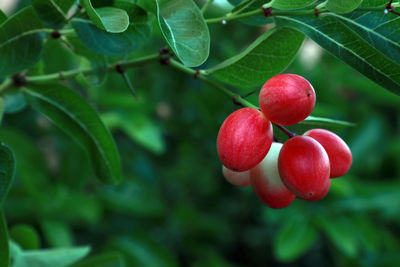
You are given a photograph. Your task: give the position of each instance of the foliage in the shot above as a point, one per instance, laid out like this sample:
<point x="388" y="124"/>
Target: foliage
<point x="139" y="181"/>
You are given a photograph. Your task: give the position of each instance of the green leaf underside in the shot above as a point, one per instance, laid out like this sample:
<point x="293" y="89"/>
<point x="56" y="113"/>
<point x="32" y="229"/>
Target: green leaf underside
<point x="269" y="55"/>
<point x="77" y="118"/>
<point x="53" y="12"/>
<point x="115" y="44"/>
<point x="110" y="19"/>
<point x="60" y="257"/>
<point x="311" y="120"/>
<point x="381" y="31"/>
<point x="7" y="171"/>
<point x="342" y="6"/>
<point x="20" y="41"/>
<point x="292" y="4"/>
<point x="4" y="247"/>
<point x="294" y="239"/>
<point x="346" y="45"/>
<point x="115" y="20"/>
<point x="185" y="30"/>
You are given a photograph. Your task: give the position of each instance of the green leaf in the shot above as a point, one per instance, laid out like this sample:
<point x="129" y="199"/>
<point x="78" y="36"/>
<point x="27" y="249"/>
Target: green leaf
<point x="269" y="55"/>
<point x="185" y="30"/>
<point x="378" y="29"/>
<point x="53" y="13"/>
<point x="7" y="171"/>
<point x="14" y="103"/>
<point x="342" y="6"/>
<point x="57" y="233"/>
<point x="76" y="117"/>
<point x="341" y="234"/>
<point x="115" y="44"/>
<point x="374" y="3"/>
<point x="111" y="19"/>
<point x="139" y="127"/>
<point x="4" y="247"/>
<point x="110" y="259"/>
<point x="25" y="235"/>
<point x="29" y="161"/>
<point x="98" y="62"/>
<point x="292" y="4"/>
<point x="348" y="46"/>
<point x="3" y="17"/>
<point x="141" y="250"/>
<point x="20" y="41"/>
<point x="294" y="239"/>
<point x="61" y="257"/>
<point x="2" y="108"/>
<point x="325" y="122"/>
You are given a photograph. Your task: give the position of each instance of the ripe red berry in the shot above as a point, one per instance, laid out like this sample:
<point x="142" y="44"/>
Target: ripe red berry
<point x="267" y="183"/>
<point x="338" y="152"/>
<point x="304" y="167"/>
<point x="287" y="99"/>
<point x="244" y="139"/>
<point x="236" y="178"/>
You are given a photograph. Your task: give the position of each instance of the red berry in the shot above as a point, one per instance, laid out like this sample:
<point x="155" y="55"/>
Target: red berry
<point x="244" y="139"/>
<point x="236" y="178"/>
<point x="304" y="167"/>
<point x="338" y="152"/>
<point x="287" y="99"/>
<point x="267" y="183"/>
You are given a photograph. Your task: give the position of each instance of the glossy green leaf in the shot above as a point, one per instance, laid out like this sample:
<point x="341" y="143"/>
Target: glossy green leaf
<point x="61" y="257"/>
<point x="325" y="122"/>
<point x="26" y="236"/>
<point x="342" y="6"/>
<point x="191" y="43"/>
<point x="378" y="29"/>
<point x="294" y="239"/>
<point x="4" y="247"/>
<point x="110" y="19"/>
<point x="269" y="55"/>
<point x="292" y="4"/>
<point x="341" y="233"/>
<point x="111" y="259"/>
<point x="98" y="62"/>
<point x="76" y="117"/>
<point x="115" y="44"/>
<point x="3" y="17"/>
<point x="20" y="41"/>
<point x="7" y="171"/>
<point x="53" y="13"/>
<point x="338" y="39"/>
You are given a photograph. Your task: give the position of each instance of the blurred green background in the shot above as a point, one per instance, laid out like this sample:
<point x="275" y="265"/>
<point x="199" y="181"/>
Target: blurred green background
<point x="173" y="207"/>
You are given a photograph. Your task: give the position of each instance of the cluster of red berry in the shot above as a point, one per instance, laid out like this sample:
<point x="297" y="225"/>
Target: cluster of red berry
<point x="301" y="167"/>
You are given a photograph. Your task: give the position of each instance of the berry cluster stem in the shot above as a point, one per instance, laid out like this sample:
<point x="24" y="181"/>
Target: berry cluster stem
<point x="285" y="130"/>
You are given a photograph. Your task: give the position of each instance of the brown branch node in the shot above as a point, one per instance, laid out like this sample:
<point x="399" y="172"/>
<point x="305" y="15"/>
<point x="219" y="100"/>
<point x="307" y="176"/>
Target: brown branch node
<point x="19" y="80"/>
<point x="267" y="11"/>
<point x="316" y="12"/>
<point x="196" y="75"/>
<point x="119" y="69"/>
